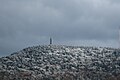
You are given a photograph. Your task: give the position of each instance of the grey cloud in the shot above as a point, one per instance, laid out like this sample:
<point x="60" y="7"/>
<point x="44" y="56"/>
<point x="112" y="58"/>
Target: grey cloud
<point x="31" y="22"/>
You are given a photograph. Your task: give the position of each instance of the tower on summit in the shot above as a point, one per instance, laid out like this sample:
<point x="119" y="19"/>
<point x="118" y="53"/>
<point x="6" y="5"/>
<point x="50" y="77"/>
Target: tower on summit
<point x="50" y="41"/>
<point x="119" y="37"/>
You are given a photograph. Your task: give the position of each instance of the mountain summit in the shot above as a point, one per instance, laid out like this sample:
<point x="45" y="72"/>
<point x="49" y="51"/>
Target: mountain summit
<point x="58" y="62"/>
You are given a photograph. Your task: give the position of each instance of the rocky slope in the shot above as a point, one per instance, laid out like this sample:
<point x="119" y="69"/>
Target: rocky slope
<point x="57" y="62"/>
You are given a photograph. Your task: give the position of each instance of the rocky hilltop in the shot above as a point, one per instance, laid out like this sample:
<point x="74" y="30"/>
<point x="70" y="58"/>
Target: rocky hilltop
<point x="57" y="62"/>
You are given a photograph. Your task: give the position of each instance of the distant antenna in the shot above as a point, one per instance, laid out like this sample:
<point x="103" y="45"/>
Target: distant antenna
<point x="50" y="41"/>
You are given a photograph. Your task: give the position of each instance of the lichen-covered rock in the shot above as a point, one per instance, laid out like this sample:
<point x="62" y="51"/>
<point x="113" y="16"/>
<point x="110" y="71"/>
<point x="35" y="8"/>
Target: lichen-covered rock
<point x="55" y="62"/>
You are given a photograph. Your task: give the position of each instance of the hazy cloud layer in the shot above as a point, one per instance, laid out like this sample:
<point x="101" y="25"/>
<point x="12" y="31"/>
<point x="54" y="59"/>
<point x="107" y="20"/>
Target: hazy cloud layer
<point x="26" y="23"/>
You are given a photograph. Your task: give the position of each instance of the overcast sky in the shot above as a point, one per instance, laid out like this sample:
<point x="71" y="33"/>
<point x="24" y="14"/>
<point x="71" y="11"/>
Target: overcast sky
<point x="25" y="23"/>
